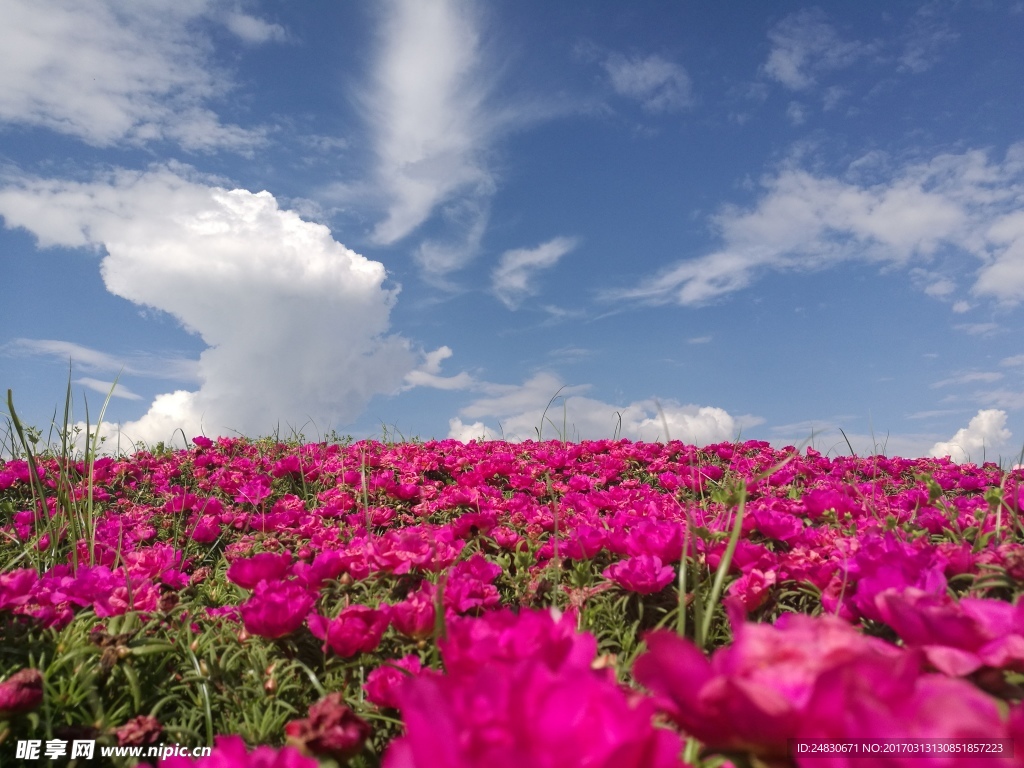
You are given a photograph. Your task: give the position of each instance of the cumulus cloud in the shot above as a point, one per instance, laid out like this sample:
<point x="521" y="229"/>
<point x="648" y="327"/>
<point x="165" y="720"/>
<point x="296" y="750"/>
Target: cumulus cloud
<point x="511" y="278"/>
<point x="109" y="72"/>
<point x="296" y="323"/>
<point x="660" y="85"/>
<point x="805" y="221"/>
<point x="835" y="436"/>
<point x="804" y="46"/>
<point x="517" y="411"/>
<point x="983" y="437"/>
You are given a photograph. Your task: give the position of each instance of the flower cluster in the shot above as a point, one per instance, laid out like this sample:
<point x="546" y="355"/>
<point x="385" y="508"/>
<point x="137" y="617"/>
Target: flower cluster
<point x="430" y="570"/>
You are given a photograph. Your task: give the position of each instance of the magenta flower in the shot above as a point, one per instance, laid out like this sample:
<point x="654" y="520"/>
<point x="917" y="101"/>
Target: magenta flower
<point x="661" y="538"/>
<point x="276" y="608"/>
<point x="357" y="629"/>
<point x="503" y="636"/>
<point x="21" y="692"/>
<point x="331" y="729"/>
<point x="16" y="587"/>
<point x="254" y="491"/>
<point x="957" y="637"/>
<point x="266" y="566"/>
<point x="382" y="684"/>
<point x="753" y="694"/>
<point x="469" y="585"/>
<point x="143" y="596"/>
<point x="415" y="616"/>
<point x="230" y="752"/>
<point x="753" y="588"/>
<point x="881" y="563"/>
<point x="644" y="574"/>
<point x="869" y="698"/>
<point x="524" y="713"/>
<point x="583" y="542"/>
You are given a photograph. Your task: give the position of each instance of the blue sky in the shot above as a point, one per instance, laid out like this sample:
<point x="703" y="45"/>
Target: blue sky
<point x="771" y="220"/>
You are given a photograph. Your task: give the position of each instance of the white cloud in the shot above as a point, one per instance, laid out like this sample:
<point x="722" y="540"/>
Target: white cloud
<point x="252" y="29"/>
<point x="466" y="432"/>
<point x="969" y="378"/>
<point x="1002" y="398"/>
<point x="517" y="411"/>
<point x="983" y="437"/>
<point x="797" y="113"/>
<point x="804" y="45"/>
<point x="426" y="107"/>
<point x="1012" y="361"/>
<point x="808" y="222"/>
<point x="978" y="329"/>
<point x="511" y="278"/>
<point x="658" y="84"/>
<point x="824" y="435"/>
<point x="84" y="358"/>
<point x="295" y="323"/>
<point x="108" y="388"/>
<point x="429" y="373"/>
<point x="110" y="72"/>
<point x="928" y="37"/>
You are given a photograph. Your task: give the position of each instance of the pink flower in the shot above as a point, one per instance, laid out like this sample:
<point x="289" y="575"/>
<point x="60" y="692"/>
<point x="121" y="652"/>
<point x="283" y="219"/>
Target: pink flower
<point x="753" y="588"/>
<point x="382" y="684"/>
<point x="415" y="616"/>
<point x="886" y="562"/>
<point x="869" y="698"/>
<point x="331" y="729"/>
<point x="503" y="636"/>
<point x="16" y="587"/>
<point x="230" y="752"/>
<point x="21" y="692"/>
<point x="643" y="574"/>
<point x="524" y="713"/>
<point x="357" y="629"/>
<point x="254" y="491"/>
<point x="269" y="566"/>
<point x="469" y="585"/>
<point x="660" y="538"/>
<point x="276" y="608"/>
<point x="139" y="732"/>
<point x="143" y="596"/>
<point x="958" y="638"/>
<point x="753" y="694"/>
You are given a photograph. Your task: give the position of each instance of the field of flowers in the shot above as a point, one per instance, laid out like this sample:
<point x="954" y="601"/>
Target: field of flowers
<point x="608" y="604"/>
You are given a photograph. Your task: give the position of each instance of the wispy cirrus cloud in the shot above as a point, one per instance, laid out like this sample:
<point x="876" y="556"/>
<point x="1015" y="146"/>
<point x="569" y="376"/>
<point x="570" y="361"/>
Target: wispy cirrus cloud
<point x="112" y="73"/>
<point x="962" y="203"/>
<point x="659" y="84"/>
<point x="805" y="46"/>
<point x="511" y="279"/>
<point x="96" y="361"/>
<point x="929" y="35"/>
<point x="434" y="118"/>
<point x="108" y="388"/>
<point x="427" y="107"/>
